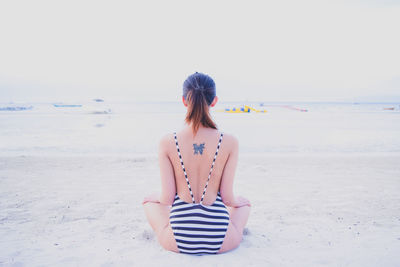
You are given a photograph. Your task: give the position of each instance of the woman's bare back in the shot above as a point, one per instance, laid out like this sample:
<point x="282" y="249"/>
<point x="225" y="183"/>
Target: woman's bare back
<point x="198" y="153"/>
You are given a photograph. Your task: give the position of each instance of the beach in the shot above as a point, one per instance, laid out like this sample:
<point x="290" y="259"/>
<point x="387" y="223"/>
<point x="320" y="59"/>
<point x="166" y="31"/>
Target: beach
<point x="323" y="186"/>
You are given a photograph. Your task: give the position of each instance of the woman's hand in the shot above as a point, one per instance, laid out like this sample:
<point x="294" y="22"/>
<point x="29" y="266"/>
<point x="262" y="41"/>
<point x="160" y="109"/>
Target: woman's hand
<point x="240" y="202"/>
<point x="153" y="198"/>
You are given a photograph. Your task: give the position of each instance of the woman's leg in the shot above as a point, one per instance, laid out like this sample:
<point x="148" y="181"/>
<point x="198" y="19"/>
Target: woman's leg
<point x="158" y="217"/>
<point x="237" y="221"/>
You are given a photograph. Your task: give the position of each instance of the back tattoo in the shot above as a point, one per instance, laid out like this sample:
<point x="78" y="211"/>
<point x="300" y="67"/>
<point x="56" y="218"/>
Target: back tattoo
<point x="198" y="148"/>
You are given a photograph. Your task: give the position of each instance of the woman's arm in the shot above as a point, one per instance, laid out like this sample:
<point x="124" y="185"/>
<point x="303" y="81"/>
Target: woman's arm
<point x="228" y="176"/>
<point x="168" y="187"/>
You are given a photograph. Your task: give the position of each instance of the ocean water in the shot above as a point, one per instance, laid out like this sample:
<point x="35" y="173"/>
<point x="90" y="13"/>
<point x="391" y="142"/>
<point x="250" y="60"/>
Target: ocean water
<point x="136" y="127"/>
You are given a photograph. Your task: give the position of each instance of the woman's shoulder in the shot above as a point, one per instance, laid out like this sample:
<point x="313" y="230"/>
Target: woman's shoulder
<point x="230" y="140"/>
<point x="166" y="141"/>
<point x="167" y="137"/>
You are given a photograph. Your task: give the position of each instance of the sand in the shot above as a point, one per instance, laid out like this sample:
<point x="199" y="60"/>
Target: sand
<point x="312" y="209"/>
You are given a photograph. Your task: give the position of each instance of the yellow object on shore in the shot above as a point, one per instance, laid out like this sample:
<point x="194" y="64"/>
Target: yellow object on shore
<point x="245" y="109"/>
<point x="256" y="110"/>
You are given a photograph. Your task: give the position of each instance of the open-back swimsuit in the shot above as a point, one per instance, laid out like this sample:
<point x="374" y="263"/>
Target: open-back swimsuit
<point x="199" y="229"/>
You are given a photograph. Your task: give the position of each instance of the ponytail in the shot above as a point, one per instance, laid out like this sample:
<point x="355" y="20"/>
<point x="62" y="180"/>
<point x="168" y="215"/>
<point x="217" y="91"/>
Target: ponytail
<point x="199" y="92"/>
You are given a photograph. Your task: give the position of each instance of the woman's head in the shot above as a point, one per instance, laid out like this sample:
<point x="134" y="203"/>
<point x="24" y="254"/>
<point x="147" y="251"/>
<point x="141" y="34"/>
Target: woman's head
<point x="198" y="95"/>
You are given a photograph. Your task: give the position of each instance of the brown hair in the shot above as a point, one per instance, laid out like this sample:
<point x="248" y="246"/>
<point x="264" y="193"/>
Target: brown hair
<point x="199" y="92"/>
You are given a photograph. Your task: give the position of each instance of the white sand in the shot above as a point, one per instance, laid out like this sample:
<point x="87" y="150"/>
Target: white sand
<point x="308" y="210"/>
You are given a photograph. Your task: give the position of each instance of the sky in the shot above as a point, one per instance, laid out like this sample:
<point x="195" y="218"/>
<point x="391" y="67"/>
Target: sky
<point x="254" y="50"/>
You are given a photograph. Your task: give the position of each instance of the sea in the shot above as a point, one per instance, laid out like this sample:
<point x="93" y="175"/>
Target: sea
<point x="101" y="127"/>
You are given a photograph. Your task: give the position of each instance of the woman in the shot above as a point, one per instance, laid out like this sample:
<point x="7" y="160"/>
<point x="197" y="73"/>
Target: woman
<point x="205" y="217"/>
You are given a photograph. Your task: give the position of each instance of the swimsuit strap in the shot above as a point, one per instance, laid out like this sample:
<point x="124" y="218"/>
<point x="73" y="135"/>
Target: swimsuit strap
<point x="183" y="167"/>
<point x="212" y="166"/>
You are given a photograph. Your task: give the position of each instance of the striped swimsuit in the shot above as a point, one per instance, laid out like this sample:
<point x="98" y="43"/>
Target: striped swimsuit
<point x="199" y="229"/>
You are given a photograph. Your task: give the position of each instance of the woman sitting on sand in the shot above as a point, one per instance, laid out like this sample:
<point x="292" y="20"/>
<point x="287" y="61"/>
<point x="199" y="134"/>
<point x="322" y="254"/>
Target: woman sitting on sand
<point x="197" y="212"/>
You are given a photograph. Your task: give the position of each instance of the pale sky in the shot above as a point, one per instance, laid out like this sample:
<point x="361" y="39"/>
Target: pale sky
<point x="254" y="50"/>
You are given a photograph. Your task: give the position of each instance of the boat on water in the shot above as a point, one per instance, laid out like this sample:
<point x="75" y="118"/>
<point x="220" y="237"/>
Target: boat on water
<point x="15" y="108"/>
<point x="67" y="105"/>
<point x="295" y="108"/>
